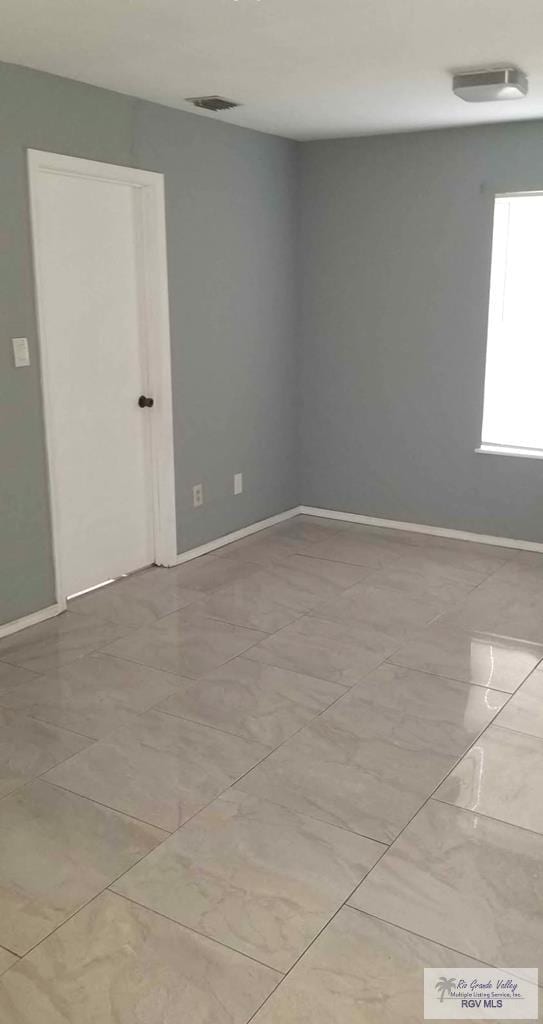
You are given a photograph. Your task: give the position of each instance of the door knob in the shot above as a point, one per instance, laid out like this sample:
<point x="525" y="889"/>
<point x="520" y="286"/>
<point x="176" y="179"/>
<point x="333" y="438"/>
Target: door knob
<point x="145" y="402"/>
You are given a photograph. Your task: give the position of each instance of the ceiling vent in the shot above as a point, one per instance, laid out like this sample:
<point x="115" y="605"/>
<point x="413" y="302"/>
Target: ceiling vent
<point x="212" y="102"/>
<point x="490" y="84"/>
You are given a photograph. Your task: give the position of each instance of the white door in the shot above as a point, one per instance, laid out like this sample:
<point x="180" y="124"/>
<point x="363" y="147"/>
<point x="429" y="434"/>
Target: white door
<point x="95" y="349"/>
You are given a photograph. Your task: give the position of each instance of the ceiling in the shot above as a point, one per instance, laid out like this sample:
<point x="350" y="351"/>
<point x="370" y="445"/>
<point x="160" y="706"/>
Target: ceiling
<point x="302" y="68"/>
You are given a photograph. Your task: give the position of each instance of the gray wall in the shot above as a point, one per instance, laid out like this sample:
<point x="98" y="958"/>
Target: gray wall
<point x="392" y="260"/>
<point x="231" y="205"/>
<point x="395" y="242"/>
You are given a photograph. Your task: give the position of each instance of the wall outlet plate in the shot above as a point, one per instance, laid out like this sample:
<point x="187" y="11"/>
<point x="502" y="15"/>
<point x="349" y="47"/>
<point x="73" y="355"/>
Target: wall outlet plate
<point x="197" y="495"/>
<point x="21" y="355"/>
<point x="238" y="483"/>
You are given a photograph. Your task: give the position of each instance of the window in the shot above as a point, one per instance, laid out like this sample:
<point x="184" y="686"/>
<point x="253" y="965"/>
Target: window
<point x="513" y="402"/>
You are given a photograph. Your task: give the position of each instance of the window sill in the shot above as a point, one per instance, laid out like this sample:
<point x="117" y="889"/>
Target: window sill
<point x="519" y="453"/>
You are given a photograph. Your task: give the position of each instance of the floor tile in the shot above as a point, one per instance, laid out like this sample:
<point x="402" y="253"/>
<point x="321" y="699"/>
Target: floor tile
<point x="386" y="533"/>
<point x="435" y="588"/>
<point x="310" y="529"/>
<point x="371" y="783"/>
<point x="416" y="711"/>
<point x="524" y="570"/>
<point x="316" y="579"/>
<point x="252" y="700"/>
<point x="470" y="565"/>
<point x="257" y="877"/>
<point x="47" y="646"/>
<point x="28" y="748"/>
<point x="359" y="549"/>
<point x="160" y="769"/>
<point x="466" y="550"/>
<point x="359" y="971"/>
<point x="480" y="658"/>
<point x="390" y="611"/>
<point x="116" y="963"/>
<point x="524" y="712"/>
<point x="133" y="601"/>
<point x="371" y="760"/>
<point x="257" y="602"/>
<point x="228" y="744"/>
<point x="185" y="645"/>
<point x="503" y="608"/>
<point x="281" y="592"/>
<point x="501" y="776"/>
<point x="7" y="960"/>
<point x="94" y="695"/>
<point x="204" y="574"/>
<point x="266" y="547"/>
<point x="466" y="881"/>
<point x="337" y="651"/>
<point x="11" y="677"/>
<point x="58" y="851"/>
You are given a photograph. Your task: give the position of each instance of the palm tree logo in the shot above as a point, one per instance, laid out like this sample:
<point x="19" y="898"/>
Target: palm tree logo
<point x="445" y="986"/>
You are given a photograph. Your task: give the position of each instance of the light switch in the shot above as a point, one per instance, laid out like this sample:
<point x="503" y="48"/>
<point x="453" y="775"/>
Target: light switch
<point x="21" y="354"/>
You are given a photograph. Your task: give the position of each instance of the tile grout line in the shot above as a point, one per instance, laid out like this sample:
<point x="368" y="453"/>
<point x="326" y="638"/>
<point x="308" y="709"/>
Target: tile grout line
<point x="489" y="817"/>
<point x="114" y="810"/>
<point x="309" y="612"/>
<point x="19" y="956"/>
<point x="53" y="725"/>
<point x="95" y="741"/>
<point x="453" y="768"/>
<point x="149" y="824"/>
<point x="78" y="909"/>
<point x="409" y="931"/>
<point x="89" y="799"/>
<point x="317" y="936"/>
<point x="9" y="664"/>
<point x="383" y="854"/>
<point x="236" y="782"/>
<point x="510" y="728"/>
<point x="448" y="679"/>
<point x="330" y="706"/>
<point x="187" y="927"/>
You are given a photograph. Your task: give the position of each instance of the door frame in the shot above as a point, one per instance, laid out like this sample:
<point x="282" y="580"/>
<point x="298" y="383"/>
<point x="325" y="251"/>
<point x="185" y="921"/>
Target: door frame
<point x="151" y="255"/>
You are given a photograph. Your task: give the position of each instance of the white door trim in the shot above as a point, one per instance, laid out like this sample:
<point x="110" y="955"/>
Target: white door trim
<point x="152" y="258"/>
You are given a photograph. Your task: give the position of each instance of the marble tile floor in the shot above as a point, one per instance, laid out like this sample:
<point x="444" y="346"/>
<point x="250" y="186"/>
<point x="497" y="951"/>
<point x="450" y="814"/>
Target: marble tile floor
<point x="273" y="783"/>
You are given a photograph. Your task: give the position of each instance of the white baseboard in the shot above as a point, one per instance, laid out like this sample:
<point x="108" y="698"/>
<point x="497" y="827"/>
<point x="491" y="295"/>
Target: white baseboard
<point x="30" y="620"/>
<point x="435" y="531"/>
<point x="212" y="545"/>
<point x="186" y="556"/>
<point x="306" y="510"/>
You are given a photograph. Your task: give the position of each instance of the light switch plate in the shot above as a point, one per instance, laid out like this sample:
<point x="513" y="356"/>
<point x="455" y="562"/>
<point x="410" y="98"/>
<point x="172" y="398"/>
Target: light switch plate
<point x="21" y="354"/>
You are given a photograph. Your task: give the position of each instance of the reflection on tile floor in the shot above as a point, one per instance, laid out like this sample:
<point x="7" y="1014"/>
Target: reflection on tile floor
<point x="256" y="786"/>
<point x="448" y="859"/>
<point x="501" y="776"/>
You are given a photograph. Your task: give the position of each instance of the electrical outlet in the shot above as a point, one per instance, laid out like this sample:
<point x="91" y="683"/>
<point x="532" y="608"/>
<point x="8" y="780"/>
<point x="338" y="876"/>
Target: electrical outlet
<point x="197" y="495"/>
<point x="238" y="483"/>
<point x="21" y="355"/>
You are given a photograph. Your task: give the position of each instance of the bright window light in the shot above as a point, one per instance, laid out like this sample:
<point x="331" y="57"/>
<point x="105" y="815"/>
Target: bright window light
<point x="513" y="406"/>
